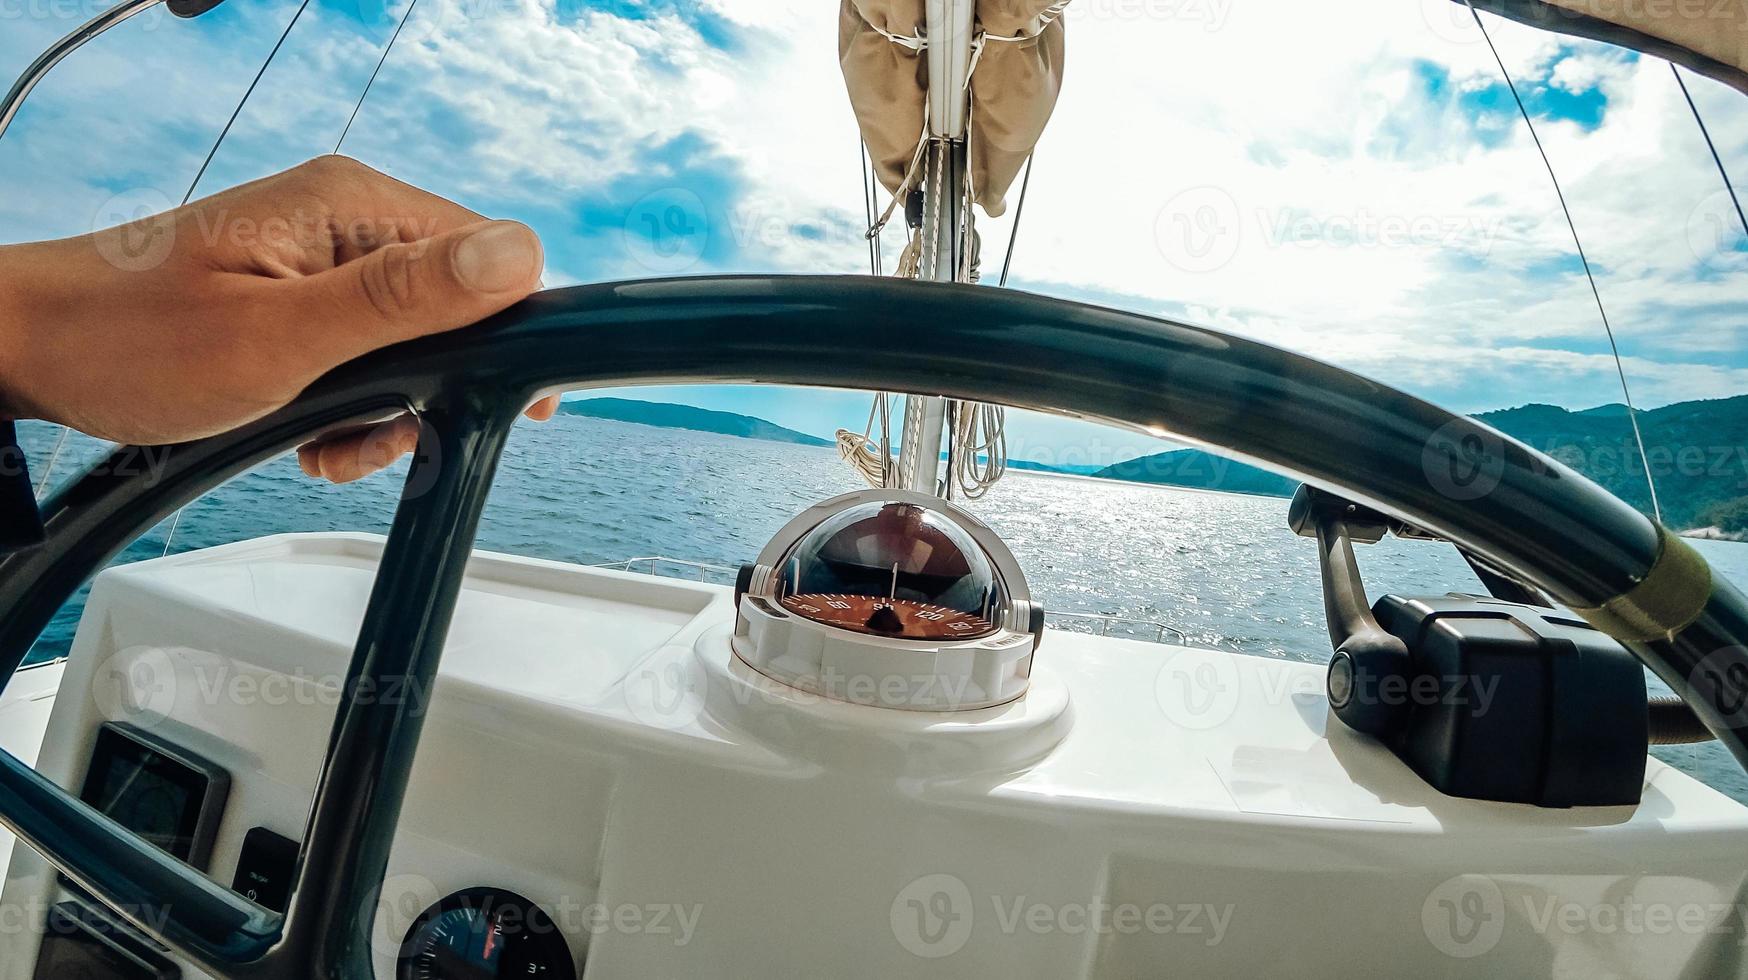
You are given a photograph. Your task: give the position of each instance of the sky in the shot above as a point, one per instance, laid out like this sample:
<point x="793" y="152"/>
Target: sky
<point x="1350" y="180"/>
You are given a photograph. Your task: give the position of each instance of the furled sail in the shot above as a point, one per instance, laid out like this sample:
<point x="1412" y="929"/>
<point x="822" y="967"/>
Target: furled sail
<point x="1707" y="36"/>
<point x="1017" y="50"/>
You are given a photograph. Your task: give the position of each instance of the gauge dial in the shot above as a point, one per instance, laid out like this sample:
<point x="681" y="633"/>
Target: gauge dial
<point x="887" y="616"/>
<point x="485" y="934"/>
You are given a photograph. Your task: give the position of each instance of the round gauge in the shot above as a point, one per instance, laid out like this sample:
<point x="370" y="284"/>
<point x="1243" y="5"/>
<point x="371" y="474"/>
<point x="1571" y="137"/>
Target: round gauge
<point x="485" y="934"/>
<point x="888" y="616"/>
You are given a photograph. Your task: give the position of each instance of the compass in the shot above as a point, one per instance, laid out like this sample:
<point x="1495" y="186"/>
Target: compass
<point x="889" y="616"/>
<point x="893" y="599"/>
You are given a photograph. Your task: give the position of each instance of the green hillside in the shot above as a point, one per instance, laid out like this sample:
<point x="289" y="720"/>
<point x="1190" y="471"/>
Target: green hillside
<point x="669" y="416"/>
<point x="1698" y="453"/>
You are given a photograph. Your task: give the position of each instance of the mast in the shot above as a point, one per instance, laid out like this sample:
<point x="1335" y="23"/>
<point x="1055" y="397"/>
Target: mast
<point x="946" y="224"/>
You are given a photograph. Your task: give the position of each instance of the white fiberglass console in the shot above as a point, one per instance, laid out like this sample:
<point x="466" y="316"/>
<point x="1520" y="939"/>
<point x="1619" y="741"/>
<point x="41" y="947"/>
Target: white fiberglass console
<point x="598" y="761"/>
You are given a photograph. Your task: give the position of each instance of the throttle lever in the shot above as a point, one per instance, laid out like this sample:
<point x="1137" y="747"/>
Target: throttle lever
<point x="1367" y="656"/>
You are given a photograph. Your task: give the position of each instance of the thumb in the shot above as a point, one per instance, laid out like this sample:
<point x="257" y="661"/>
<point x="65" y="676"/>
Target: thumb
<point x="409" y="290"/>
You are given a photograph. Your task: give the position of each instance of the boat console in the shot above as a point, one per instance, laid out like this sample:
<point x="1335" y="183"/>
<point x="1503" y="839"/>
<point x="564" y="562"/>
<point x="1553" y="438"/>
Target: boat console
<point x="605" y="787"/>
<point x="349" y="756"/>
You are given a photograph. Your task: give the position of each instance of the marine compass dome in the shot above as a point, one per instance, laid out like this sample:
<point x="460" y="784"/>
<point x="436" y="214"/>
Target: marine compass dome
<point x="890" y="598"/>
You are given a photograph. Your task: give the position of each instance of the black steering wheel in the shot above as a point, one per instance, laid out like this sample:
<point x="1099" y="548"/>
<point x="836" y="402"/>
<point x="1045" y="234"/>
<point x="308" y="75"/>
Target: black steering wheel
<point x="1519" y="510"/>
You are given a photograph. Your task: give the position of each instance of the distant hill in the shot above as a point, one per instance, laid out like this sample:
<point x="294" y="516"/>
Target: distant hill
<point x="1068" y="468"/>
<point x="1698" y="452"/>
<point x="669" y="416"/>
<point x="1200" y="470"/>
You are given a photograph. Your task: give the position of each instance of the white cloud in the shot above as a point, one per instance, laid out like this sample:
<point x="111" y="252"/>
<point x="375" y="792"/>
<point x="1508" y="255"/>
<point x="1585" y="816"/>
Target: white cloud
<point x="1374" y="224"/>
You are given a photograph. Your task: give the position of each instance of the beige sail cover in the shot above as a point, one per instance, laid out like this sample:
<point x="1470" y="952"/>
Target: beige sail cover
<point x="1708" y="36"/>
<point x="1013" y="87"/>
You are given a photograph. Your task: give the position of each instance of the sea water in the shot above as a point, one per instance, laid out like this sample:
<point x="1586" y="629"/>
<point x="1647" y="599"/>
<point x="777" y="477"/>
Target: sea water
<point x="1221" y="569"/>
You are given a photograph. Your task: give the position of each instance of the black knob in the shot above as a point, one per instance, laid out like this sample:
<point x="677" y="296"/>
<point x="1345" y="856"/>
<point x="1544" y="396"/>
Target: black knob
<point x="1369" y="682"/>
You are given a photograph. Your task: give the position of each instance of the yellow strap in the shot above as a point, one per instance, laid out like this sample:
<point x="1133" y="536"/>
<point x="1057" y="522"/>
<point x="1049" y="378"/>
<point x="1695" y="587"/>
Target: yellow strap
<point x="1666" y="601"/>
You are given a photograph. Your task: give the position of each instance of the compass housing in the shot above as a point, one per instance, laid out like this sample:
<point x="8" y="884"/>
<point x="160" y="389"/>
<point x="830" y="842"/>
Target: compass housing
<point x="893" y="599"/>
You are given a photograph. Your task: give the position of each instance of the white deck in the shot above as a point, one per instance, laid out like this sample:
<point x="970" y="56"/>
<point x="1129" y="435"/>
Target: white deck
<point x="593" y="745"/>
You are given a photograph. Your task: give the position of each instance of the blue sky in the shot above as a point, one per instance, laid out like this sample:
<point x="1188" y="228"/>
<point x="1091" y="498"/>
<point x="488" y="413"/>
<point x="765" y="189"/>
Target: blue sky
<point x="1357" y="187"/>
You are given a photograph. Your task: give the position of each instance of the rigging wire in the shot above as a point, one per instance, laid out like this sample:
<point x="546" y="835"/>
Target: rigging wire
<point x="871" y="459"/>
<point x="1019" y="212"/>
<point x="368" y="85"/>
<point x="238" y="111"/>
<point x="879" y="240"/>
<point x="868" y="207"/>
<point x="176" y="522"/>
<point x="1620" y="369"/>
<point x="1703" y="131"/>
<point x="61" y="440"/>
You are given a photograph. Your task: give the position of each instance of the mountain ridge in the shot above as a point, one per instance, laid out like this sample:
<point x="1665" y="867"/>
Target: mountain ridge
<point x="1698" y="451"/>
<point x="668" y="415"/>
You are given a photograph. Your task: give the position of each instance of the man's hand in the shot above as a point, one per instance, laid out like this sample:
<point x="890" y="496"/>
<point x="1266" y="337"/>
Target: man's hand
<point x="215" y="314"/>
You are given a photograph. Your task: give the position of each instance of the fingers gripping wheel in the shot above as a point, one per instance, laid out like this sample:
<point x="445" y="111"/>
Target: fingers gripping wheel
<point x="1541" y="522"/>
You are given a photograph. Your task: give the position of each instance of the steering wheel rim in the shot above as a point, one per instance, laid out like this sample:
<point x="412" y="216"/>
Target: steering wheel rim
<point x="1513" y="506"/>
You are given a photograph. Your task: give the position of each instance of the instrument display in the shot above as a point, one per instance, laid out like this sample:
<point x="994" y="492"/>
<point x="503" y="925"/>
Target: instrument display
<point x="168" y="796"/>
<point x="485" y="934"/>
